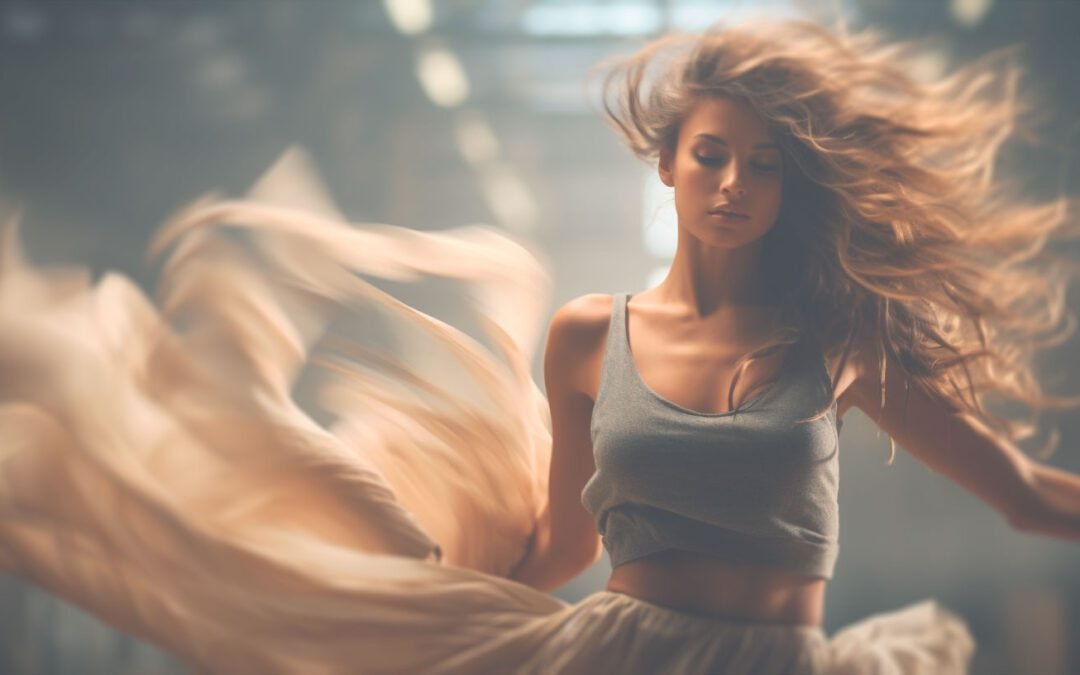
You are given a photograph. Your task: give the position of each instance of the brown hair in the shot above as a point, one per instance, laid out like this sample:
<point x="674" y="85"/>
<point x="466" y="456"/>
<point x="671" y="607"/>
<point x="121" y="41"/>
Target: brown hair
<point x="894" y="230"/>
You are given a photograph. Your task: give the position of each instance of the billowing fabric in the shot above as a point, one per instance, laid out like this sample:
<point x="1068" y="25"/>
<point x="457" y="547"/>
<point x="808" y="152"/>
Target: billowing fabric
<point x="754" y="485"/>
<point x="610" y="632"/>
<point x="277" y="467"/>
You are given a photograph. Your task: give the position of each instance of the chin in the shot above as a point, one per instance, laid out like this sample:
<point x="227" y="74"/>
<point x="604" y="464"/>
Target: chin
<point x="730" y="241"/>
<point x="728" y="236"/>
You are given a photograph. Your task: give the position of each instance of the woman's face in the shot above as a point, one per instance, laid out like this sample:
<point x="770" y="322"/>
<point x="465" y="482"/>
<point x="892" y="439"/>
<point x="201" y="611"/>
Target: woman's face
<point x="727" y="173"/>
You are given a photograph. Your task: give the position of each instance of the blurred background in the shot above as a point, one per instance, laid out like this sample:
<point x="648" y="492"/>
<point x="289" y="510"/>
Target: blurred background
<point x="435" y="114"/>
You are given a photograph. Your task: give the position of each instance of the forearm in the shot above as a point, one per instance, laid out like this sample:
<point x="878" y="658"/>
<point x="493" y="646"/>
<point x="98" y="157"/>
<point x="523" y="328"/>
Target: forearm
<point x="544" y="566"/>
<point x="1057" y="504"/>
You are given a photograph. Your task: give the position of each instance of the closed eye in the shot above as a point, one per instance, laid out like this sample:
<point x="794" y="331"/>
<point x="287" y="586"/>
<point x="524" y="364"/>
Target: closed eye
<point x="761" y="167"/>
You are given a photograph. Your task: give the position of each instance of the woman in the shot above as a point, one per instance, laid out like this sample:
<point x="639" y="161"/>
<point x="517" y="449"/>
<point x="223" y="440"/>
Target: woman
<point x="799" y="163"/>
<point x="841" y="242"/>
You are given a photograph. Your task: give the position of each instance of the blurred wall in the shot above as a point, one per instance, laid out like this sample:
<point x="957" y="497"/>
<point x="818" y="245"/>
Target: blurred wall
<point x="115" y="113"/>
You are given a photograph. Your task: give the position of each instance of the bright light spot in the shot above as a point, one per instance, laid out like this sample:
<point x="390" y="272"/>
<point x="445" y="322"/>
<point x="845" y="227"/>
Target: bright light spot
<point x="615" y="18"/>
<point x="659" y="230"/>
<point x="929" y="65"/>
<point x="695" y="16"/>
<point x="475" y="139"/>
<point x="656" y="275"/>
<point x="509" y="198"/>
<point x="442" y="77"/>
<point x="969" y="13"/>
<point x="409" y="16"/>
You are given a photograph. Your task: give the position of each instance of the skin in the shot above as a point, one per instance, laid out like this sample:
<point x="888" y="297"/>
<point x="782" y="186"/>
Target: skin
<point x="686" y="335"/>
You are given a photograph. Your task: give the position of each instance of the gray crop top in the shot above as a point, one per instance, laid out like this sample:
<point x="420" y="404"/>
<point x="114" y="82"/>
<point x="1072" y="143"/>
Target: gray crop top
<point x="747" y="486"/>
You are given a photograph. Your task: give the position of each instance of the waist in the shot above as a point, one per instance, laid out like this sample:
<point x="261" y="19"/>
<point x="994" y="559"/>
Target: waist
<point x="700" y="584"/>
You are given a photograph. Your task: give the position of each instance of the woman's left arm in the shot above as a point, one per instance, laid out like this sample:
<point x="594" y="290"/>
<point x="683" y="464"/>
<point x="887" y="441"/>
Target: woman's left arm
<point x="1031" y="496"/>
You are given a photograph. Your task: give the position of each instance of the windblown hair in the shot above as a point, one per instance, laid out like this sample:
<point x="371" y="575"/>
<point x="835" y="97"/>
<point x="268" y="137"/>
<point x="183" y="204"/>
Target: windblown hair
<point x="895" y="237"/>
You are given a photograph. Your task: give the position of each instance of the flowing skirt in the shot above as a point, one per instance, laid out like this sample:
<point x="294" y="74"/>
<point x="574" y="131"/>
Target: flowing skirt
<point x="278" y="467"/>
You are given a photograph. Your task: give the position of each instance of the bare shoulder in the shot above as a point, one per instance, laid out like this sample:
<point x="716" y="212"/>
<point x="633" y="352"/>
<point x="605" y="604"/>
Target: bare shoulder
<point x="583" y="317"/>
<point x="575" y="342"/>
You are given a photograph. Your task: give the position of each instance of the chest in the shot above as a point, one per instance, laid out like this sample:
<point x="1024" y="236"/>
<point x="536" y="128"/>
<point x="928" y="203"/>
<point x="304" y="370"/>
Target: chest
<point x="697" y="365"/>
<point x="638" y="433"/>
<point x="698" y="375"/>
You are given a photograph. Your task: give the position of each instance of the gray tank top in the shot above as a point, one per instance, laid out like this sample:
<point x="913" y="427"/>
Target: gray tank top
<point x="749" y="486"/>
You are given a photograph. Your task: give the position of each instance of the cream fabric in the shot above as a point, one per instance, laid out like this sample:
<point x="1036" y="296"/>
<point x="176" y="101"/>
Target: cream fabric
<point x="236" y="472"/>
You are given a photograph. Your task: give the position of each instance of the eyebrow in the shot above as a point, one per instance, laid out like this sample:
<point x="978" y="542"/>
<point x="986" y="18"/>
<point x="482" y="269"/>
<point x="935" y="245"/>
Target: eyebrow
<point x="717" y="139"/>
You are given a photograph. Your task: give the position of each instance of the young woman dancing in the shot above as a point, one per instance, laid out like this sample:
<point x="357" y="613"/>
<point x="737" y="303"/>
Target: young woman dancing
<point x="842" y="241"/>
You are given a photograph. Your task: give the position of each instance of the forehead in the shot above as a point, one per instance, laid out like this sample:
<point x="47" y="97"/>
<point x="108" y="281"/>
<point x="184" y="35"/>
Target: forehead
<point x="729" y="118"/>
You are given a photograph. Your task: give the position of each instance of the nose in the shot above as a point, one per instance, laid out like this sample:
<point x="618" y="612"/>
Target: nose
<point x="732" y="183"/>
<point x="733" y="190"/>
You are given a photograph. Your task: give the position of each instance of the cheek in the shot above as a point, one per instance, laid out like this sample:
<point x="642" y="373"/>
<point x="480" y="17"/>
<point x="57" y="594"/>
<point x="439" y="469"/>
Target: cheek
<point x="693" y="186"/>
<point x="770" y="196"/>
<point x="695" y="178"/>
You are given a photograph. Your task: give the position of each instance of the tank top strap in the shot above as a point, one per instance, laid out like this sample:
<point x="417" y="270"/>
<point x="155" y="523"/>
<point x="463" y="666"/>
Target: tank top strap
<point x="613" y="364"/>
<point x="616" y="337"/>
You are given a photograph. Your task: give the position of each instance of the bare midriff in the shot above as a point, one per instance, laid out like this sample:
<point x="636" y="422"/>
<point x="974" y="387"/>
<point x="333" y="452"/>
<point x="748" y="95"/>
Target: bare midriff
<point x="699" y="584"/>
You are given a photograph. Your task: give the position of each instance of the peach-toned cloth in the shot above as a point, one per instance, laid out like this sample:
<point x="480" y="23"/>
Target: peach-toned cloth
<point x="237" y="472"/>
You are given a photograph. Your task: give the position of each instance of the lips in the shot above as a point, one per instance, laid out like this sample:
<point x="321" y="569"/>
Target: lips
<point x="728" y="213"/>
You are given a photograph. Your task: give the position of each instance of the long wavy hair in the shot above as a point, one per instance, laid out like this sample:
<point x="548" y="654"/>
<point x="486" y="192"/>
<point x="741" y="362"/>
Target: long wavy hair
<point x="894" y="231"/>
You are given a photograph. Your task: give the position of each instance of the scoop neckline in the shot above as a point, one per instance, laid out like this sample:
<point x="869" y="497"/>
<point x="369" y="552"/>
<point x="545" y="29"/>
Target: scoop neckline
<point x="649" y="390"/>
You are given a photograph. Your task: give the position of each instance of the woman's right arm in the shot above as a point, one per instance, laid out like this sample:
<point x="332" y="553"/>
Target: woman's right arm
<point x="565" y="542"/>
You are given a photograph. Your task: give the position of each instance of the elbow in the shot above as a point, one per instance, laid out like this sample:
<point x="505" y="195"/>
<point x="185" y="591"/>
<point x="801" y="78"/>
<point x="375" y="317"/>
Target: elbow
<point x="597" y="555"/>
<point x="595" y="550"/>
<point x="585" y="547"/>
<point x="585" y="559"/>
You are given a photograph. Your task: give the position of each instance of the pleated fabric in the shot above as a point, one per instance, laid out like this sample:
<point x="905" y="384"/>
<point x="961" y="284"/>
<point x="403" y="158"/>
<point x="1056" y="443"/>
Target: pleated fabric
<point x="276" y="466"/>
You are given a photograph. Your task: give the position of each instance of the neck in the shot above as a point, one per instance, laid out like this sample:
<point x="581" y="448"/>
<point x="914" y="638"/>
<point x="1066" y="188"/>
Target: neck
<point x="705" y="278"/>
